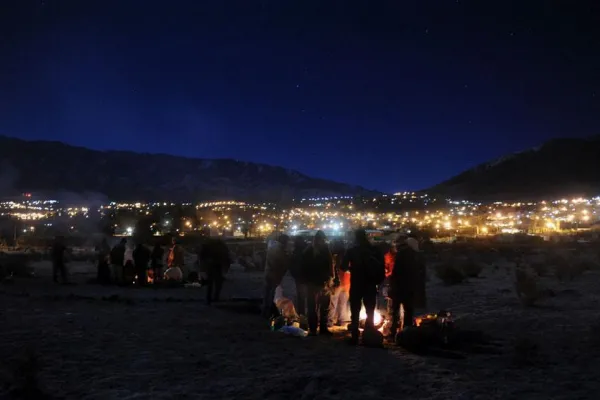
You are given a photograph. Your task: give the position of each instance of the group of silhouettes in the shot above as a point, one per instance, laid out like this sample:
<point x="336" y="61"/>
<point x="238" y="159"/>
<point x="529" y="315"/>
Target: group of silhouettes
<point x="114" y="269"/>
<point x="329" y="276"/>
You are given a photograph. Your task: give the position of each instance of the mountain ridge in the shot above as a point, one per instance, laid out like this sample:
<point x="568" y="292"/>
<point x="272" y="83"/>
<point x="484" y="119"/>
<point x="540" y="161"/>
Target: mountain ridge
<point x="53" y="166"/>
<point x="559" y="167"/>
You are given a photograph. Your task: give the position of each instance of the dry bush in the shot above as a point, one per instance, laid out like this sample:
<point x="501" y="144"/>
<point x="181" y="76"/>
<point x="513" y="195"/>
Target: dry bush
<point x="565" y="271"/>
<point x="449" y="273"/>
<point x="470" y="268"/>
<point x="22" y="382"/>
<point x="526" y="286"/>
<point x="526" y="351"/>
<point x="17" y="265"/>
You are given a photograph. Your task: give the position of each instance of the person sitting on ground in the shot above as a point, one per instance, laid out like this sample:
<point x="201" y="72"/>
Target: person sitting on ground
<point x="175" y="262"/>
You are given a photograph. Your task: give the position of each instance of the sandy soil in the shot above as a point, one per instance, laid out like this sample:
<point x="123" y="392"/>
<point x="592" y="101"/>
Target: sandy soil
<point x="166" y="343"/>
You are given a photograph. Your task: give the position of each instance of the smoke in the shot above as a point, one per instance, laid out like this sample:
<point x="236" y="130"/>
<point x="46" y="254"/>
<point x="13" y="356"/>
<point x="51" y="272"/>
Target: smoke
<point x="86" y="199"/>
<point x="8" y="178"/>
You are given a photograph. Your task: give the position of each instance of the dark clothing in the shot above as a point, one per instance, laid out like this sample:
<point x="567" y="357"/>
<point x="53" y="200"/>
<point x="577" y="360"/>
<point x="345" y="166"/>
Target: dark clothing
<point x="300" y="298"/>
<point x="103" y="253"/>
<point x="141" y="258"/>
<point x="366" y="295"/>
<point x="317" y="267"/>
<point x="407" y="287"/>
<point x="58" y="262"/>
<point x="117" y="255"/>
<point x="318" y="275"/>
<point x="156" y="261"/>
<point x="408" y="278"/>
<point x="367" y="270"/>
<point x="296" y="263"/>
<point x="214" y="284"/>
<point x="296" y="266"/>
<point x="214" y="258"/>
<point x="318" y="301"/>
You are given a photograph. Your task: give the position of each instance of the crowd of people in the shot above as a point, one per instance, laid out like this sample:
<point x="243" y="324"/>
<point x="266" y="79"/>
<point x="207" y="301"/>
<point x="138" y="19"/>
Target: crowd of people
<point x="330" y="279"/>
<point x="115" y="268"/>
<point x="333" y="282"/>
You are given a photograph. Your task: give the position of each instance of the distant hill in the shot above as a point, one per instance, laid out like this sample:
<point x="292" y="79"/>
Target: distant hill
<point x="57" y="168"/>
<point x="560" y="167"/>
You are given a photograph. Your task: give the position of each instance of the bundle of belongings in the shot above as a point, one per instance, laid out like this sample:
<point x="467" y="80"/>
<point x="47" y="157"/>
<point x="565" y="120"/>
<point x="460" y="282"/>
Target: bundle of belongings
<point x="428" y="330"/>
<point x="288" y="320"/>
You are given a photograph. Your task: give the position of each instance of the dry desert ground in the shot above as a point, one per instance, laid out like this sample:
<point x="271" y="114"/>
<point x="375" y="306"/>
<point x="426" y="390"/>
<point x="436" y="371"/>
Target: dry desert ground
<point x="94" y="342"/>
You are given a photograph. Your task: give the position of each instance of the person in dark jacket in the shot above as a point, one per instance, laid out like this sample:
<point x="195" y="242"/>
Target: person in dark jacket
<point x="297" y="273"/>
<point x="103" y="255"/>
<point x="117" y="261"/>
<point x="407" y="284"/>
<point x="367" y="270"/>
<point x="276" y="267"/>
<point x="214" y="258"/>
<point x="318" y="275"/>
<point x="156" y="261"/>
<point x="58" y="260"/>
<point x="141" y="258"/>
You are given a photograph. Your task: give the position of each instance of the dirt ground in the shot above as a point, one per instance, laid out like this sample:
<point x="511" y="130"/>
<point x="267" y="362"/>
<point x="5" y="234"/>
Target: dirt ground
<point x="167" y="344"/>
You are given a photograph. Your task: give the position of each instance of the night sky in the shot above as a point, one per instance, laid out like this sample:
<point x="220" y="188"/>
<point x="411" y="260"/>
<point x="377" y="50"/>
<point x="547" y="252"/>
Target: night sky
<point x="391" y="95"/>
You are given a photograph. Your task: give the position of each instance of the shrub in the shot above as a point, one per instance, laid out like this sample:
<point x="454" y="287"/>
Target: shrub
<point x="16" y="265"/>
<point x="541" y="268"/>
<point x="526" y="351"/>
<point x="470" y="268"/>
<point x="526" y="286"/>
<point x="449" y="273"/>
<point x="565" y="271"/>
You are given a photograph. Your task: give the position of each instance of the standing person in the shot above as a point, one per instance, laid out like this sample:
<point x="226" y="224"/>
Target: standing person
<point x="103" y="255"/>
<point x="58" y="259"/>
<point x="319" y="274"/>
<point x="156" y="261"/>
<point x="275" y="269"/>
<point x="339" y="304"/>
<point x="366" y="266"/>
<point x="407" y="284"/>
<point x="297" y="273"/>
<point x="215" y="260"/>
<point x="141" y="258"/>
<point x="117" y="261"/>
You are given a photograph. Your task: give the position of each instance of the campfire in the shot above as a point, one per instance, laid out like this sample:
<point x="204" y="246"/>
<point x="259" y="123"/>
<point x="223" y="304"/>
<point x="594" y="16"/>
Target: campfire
<point x="378" y="320"/>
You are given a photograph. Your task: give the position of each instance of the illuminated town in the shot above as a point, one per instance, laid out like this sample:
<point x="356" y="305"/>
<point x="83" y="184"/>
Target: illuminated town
<point x="336" y="216"/>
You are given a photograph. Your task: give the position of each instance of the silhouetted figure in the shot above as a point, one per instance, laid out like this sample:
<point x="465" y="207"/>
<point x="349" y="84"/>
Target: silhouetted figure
<point x="215" y="260"/>
<point x="103" y="254"/>
<point x="318" y="274"/>
<point x="117" y="261"/>
<point x="58" y="259"/>
<point x="156" y="261"/>
<point x="407" y="283"/>
<point x="141" y="258"/>
<point x="296" y="266"/>
<point x="367" y="269"/>
<point x="276" y="267"/>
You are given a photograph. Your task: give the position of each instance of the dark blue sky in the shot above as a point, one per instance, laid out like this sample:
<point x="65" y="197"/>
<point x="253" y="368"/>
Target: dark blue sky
<point x="390" y="95"/>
